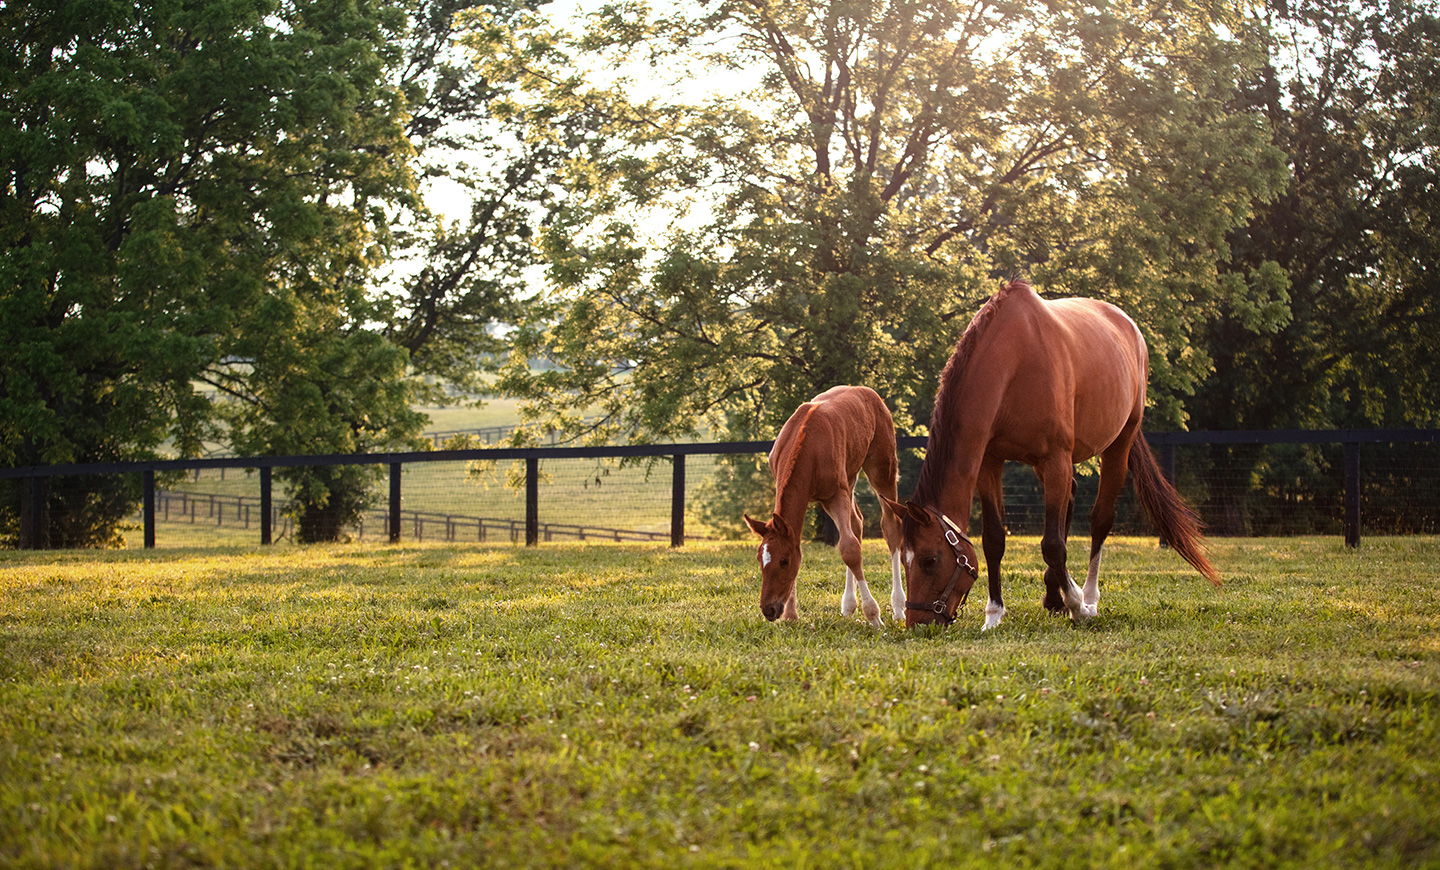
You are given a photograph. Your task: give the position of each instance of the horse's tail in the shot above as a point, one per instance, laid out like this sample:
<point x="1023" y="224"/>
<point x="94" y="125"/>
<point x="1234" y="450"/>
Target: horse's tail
<point x="1176" y="521"/>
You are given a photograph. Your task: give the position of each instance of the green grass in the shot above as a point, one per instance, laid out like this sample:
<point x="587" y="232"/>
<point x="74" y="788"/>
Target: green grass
<point x="611" y="705"/>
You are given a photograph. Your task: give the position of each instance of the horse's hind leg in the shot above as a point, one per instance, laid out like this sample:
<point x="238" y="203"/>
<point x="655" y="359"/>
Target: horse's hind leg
<point x="1102" y="518"/>
<point x="843" y="511"/>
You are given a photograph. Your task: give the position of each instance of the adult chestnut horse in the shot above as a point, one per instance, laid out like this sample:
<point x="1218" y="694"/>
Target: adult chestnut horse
<point x="816" y="457"/>
<point x="1046" y="383"/>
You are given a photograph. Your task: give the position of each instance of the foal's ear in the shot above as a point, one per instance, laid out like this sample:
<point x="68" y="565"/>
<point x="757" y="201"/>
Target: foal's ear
<point x="781" y="527"/>
<point x="894" y="507"/>
<point x="756" y="526"/>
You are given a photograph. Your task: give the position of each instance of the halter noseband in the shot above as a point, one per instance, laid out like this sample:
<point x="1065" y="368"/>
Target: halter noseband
<point x="941" y="606"/>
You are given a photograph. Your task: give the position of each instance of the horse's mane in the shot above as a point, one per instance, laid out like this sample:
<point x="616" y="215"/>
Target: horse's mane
<point x="940" y="447"/>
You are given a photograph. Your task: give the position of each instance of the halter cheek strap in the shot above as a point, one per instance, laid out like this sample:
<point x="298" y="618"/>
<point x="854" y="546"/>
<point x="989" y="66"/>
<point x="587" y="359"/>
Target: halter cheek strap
<point x="941" y="606"/>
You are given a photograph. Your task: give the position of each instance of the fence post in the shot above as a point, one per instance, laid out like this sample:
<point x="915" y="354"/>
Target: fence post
<point x="532" y="501"/>
<point x="1352" y="494"/>
<point x="147" y="478"/>
<point x="266" y="502"/>
<point x="677" y="502"/>
<point x="32" y="513"/>
<point x="394" y="502"/>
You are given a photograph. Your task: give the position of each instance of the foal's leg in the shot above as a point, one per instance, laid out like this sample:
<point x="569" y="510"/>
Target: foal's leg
<point x="846" y="515"/>
<point x="992" y="533"/>
<point x="890" y="528"/>
<point x="884" y="482"/>
<point x="1061" y="594"/>
<point x="847" y="598"/>
<point x="1102" y="517"/>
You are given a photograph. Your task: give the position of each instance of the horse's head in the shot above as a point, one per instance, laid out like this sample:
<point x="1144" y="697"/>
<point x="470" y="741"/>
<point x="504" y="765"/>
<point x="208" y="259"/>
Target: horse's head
<point x="779" y="556"/>
<point x="939" y="562"/>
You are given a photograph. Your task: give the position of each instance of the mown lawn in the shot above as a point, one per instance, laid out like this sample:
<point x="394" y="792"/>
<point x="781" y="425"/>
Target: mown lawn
<point x="626" y="705"/>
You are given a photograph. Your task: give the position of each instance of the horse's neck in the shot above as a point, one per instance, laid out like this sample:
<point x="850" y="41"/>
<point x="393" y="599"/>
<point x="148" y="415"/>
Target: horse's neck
<point x="949" y="484"/>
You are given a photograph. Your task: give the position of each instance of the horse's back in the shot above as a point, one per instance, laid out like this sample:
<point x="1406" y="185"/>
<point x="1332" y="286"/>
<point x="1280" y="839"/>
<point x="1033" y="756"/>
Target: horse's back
<point x="1070" y="369"/>
<point x="1109" y="368"/>
<point x="833" y="433"/>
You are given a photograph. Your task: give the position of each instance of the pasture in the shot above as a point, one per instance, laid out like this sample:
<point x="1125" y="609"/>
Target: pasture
<point x="626" y="705"/>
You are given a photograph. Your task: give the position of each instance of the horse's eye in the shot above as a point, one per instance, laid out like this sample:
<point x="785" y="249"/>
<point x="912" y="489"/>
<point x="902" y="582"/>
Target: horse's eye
<point x="929" y="562"/>
<point x="784" y="562"/>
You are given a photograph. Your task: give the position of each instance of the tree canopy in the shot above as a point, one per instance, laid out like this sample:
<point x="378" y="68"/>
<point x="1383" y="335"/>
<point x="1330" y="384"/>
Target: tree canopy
<point x="195" y="193"/>
<point x="213" y="225"/>
<point x="1351" y="94"/>
<point x="880" y="168"/>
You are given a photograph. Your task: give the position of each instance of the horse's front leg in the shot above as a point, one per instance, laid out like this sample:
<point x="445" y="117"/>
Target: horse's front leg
<point x="1061" y="593"/>
<point x="992" y="533"/>
<point x="846" y="515"/>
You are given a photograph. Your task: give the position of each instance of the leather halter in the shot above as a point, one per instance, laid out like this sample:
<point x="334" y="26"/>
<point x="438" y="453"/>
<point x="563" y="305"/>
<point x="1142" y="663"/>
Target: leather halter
<point x="941" y="606"/>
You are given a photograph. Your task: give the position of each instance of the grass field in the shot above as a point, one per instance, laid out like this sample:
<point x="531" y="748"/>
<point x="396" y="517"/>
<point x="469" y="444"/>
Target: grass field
<point x="626" y="705"/>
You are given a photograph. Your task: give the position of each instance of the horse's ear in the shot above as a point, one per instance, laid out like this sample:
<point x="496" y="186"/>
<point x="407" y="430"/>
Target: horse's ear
<point x="894" y="507"/>
<point x="755" y="525"/>
<point x="917" y="513"/>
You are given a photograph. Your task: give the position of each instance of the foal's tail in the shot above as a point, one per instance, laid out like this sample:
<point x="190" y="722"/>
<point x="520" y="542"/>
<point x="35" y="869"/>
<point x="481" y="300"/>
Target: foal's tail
<point x="1176" y="521"/>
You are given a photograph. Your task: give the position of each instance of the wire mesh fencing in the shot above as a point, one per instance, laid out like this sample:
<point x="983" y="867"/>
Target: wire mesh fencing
<point x="1295" y="484"/>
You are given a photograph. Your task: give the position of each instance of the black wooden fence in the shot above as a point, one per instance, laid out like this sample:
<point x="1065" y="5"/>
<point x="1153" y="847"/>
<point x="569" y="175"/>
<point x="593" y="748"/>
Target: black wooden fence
<point x="35" y="479"/>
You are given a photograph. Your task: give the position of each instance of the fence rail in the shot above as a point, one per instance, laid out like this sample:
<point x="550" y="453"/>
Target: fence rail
<point x="394" y="519"/>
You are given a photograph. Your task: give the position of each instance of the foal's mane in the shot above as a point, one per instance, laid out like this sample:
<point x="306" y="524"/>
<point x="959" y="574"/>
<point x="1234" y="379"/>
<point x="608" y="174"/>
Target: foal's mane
<point x="787" y="462"/>
<point x="940" y="448"/>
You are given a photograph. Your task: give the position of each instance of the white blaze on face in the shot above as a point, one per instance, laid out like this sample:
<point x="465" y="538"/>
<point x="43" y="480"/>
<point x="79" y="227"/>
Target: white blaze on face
<point x="909" y="558"/>
<point x="764" y="555"/>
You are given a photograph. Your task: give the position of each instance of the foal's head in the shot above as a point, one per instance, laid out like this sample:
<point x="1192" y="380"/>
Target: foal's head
<point x="779" y="556"/>
<point x="939" y="562"/>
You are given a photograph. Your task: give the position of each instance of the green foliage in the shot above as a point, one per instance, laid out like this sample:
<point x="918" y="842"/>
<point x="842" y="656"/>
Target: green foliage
<point x="196" y="194"/>
<point x="842" y="211"/>
<point x="457" y="278"/>
<point x="740" y="485"/>
<point x="1338" y="325"/>
<point x="628" y="706"/>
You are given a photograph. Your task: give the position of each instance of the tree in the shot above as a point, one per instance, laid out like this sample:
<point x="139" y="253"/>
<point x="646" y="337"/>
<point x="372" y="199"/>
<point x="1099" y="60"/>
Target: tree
<point x="1349" y="92"/>
<point x="464" y="275"/>
<point x="838" y="220"/>
<point x="184" y="181"/>
<point x="1351" y="95"/>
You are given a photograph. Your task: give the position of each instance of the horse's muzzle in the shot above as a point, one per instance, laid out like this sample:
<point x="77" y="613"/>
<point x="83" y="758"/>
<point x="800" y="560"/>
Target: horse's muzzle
<point x="773" y="610"/>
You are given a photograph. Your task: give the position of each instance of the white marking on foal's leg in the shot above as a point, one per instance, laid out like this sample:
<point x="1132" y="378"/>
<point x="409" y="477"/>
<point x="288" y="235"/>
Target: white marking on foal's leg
<point x="994" y="612"/>
<point x="869" y="605"/>
<point x="897" y="587"/>
<point x="847" y="598"/>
